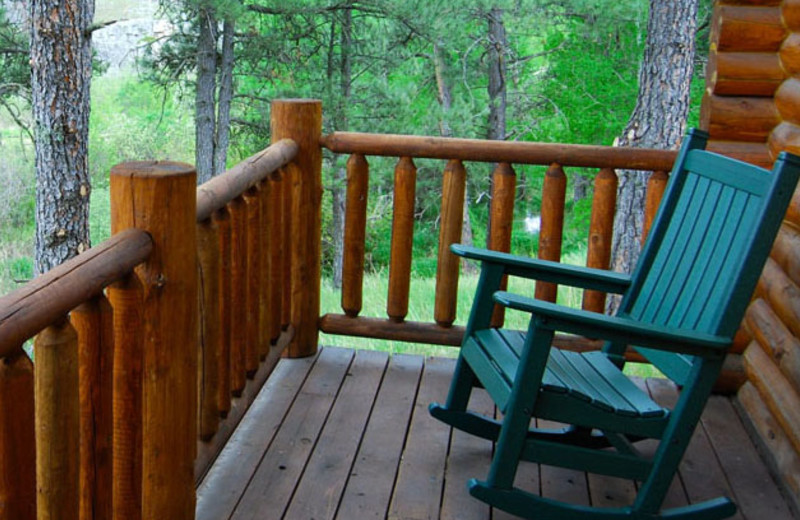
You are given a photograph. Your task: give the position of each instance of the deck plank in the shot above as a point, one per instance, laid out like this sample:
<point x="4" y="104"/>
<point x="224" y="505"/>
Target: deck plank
<point x="420" y="477"/>
<point x="470" y="457"/>
<point x="369" y="488"/>
<point x="755" y="492"/>
<point x="227" y="479"/>
<point x="665" y="393"/>
<point x="320" y="489"/>
<point x="347" y="435"/>
<point x="273" y="484"/>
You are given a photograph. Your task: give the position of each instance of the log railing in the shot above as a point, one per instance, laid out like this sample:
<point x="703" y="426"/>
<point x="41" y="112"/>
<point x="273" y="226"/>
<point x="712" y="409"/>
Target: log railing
<point x="150" y="346"/>
<point x="455" y="152"/>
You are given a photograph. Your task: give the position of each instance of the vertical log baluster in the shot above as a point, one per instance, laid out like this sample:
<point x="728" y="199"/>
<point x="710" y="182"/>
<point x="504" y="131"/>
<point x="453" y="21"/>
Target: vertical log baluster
<point x="222" y="221"/>
<point x="208" y="260"/>
<point x="160" y="197"/>
<point x="253" y="277"/>
<point x="301" y="121"/>
<point x="288" y="175"/>
<point x="501" y="220"/>
<point x="238" y="301"/>
<point x="601" y="233"/>
<point x="265" y="311"/>
<point x="355" y="229"/>
<point x="94" y="323"/>
<point x="405" y="185"/>
<point x="451" y="221"/>
<point x="57" y="422"/>
<point x="656" y="185"/>
<point x="277" y="244"/>
<point x="126" y="297"/>
<point x="17" y="439"/>
<point x="551" y="234"/>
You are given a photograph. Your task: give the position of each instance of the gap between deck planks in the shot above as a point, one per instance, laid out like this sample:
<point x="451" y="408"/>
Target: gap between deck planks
<point x="347" y="435"/>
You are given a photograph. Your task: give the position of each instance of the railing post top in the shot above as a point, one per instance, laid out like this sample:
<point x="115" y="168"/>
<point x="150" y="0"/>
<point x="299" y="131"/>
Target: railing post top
<point x="152" y="169"/>
<point x="296" y="101"/>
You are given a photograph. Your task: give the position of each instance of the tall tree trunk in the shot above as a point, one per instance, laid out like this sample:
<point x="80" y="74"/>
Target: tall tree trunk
<point x="445" y="98"/>
<point x="61" y="66"/>
<point x="497" y="75"/>
<point x="659" y="118"/>
<point x="204" y="101"/>
<point x="225" y="96"/>
<point x="340" y="174"/>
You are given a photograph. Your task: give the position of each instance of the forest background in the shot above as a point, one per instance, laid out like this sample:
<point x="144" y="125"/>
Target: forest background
<point x="412" y="67"/>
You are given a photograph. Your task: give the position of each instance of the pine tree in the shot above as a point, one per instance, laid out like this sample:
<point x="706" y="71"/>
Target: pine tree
<point x="61" y="64"/>
<point x="659" y="118"/>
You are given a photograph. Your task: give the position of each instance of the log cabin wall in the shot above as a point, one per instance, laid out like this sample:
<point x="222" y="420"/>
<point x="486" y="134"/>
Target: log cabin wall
<point x="751" y="108"/>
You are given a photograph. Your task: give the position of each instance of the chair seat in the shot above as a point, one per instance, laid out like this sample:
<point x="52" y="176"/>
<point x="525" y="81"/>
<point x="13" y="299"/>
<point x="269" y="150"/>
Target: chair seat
<point x="588" y="377"/>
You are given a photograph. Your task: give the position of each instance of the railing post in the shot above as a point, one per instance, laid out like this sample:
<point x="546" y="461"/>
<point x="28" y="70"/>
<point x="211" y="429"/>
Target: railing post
<point x="160" y="198"/>
<point x="57" y="422"/>
<point x="301" y="121"/>
<point x="551" y="235"/>
<point x="17" y="444"/>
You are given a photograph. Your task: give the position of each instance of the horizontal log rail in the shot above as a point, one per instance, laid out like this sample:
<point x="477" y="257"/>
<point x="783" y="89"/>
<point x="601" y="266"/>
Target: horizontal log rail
<point x="455" y="152"/>
<point x="49" y="297"/>
<point x="219" y="191"/>
<point x="513" y="152"/>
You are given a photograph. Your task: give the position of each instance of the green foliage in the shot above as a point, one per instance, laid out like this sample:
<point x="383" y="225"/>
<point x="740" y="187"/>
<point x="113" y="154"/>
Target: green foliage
<point x="136" y="121"/>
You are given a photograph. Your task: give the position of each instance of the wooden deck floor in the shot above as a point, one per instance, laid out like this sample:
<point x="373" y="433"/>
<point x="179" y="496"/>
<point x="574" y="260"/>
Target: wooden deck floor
<point x="347" y="435"/>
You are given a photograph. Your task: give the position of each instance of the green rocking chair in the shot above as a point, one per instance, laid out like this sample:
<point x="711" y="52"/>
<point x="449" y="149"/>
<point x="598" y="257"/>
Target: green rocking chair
<point x="680" y="309"/>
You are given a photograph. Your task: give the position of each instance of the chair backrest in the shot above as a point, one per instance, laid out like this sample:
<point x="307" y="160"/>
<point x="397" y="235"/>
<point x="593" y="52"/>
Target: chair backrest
<point x="708" y="245"/>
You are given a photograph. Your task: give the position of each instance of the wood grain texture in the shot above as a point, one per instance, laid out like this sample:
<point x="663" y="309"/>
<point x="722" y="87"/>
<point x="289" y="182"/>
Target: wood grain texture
<point x="37" y="304"/>
<point x="238" y="295"/>
<point x="17" y="439"/>
<point x="94" y="324"/>
<point x="451" y="219"/>
<point x="371" y="482"/>
<point x="501" y="221"/>
<point x="301" y="121"/>
<point x="776" y="339"/>
<point x="253" y="349"/>
<point x="745" y="73"/>
<point x="738" y="118"/>
<point x="220" y="190"/>
<point x="747" y="28"/>
<point x="405" y="184"/>
<point x="784" y="137"/>
<point x="222" y="219"/>
<point x="601" y="229"/>
<point x="513" y="152"/>
<point x="161" y="198"/>
<point x="57" y="423"/>
<point x="778" y="394"/>
<point x="784" y="459"/>
<point x="355" y="230"/>
<point x="126" y="297"/>
<point x="551" y="234"/>
<point x="209" y="344"/>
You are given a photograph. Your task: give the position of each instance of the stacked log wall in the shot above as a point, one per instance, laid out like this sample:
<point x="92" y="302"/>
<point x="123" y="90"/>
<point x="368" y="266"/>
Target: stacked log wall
<point x="751" y="108"/>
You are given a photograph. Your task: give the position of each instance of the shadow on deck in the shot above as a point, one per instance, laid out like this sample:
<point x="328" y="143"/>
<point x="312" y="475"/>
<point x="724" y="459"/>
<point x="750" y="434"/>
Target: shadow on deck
<point x="347" y="435"/>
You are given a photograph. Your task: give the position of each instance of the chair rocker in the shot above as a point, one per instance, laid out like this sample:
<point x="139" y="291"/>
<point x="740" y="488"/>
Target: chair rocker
<point x="680" y="309"/>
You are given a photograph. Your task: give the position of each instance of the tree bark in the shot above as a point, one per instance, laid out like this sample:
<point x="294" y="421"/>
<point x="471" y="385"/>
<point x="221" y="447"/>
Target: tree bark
<point x="225" y="96"/>
<point x="61" y="70"/>
<point x="340" y="121"/>
<point x="204" y="101"/>
<point x="497" y="75"/>
<point x="659" y="118"/>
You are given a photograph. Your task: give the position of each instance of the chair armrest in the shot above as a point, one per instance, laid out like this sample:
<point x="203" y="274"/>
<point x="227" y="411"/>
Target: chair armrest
<point x="583" y="277"/>
<point x="617" y="329"/>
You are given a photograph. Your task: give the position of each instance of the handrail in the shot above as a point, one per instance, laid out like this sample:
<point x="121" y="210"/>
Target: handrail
<point x="214" y="194"/>
<point x="44" y="300"/>
<point x="514" y="152"/>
